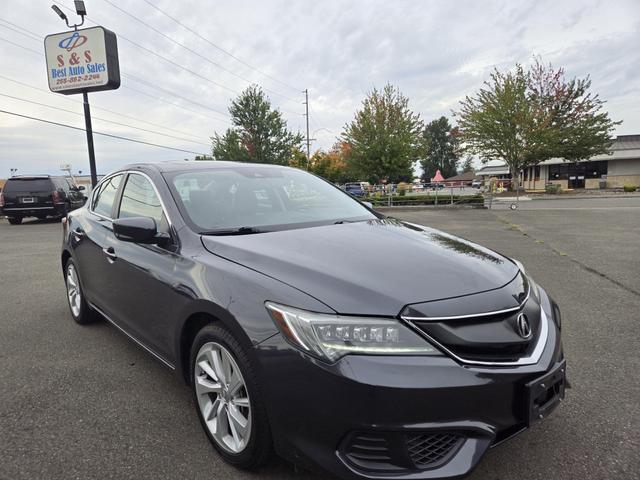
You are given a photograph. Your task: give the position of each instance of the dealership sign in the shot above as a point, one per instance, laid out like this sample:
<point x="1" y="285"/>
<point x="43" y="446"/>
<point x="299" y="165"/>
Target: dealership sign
<point x="82" y="61"/>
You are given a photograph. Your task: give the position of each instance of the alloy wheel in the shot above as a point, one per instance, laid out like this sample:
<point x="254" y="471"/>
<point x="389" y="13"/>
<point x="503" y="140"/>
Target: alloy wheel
<point x="223" y="398"/>
<point x="73" y="290"/>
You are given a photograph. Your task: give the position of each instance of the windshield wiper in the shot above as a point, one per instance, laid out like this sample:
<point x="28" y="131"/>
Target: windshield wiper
<point x="234" y="231"/>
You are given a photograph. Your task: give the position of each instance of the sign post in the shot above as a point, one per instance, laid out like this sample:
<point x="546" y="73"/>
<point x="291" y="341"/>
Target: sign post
<point x="89" y="130"/>
<point x="83" y="61"/>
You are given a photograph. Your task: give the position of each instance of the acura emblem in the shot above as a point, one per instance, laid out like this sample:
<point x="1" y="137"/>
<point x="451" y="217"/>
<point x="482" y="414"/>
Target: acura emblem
<point x="524" y="328"/>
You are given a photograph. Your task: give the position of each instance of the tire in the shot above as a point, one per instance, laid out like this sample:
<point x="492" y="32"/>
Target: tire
<point x="78" y="306"/>
<point x="255" y="449"/>
<point x="15" y="220"/>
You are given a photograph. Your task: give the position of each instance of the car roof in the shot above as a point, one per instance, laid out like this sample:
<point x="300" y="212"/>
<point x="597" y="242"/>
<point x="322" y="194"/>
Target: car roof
<point x="28" y="177"/>
<point x="177" y="166"/>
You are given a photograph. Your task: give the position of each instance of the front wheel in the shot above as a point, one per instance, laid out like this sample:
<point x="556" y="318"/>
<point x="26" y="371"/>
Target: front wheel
<point x="15" y="220"/>
<point x="228" y="399"/>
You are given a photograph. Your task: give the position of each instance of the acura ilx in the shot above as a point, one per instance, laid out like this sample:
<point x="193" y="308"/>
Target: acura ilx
<point x="286" y="305"/>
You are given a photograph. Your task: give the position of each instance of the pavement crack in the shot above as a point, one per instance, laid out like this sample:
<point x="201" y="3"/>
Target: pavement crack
<point x="518" y="228"/>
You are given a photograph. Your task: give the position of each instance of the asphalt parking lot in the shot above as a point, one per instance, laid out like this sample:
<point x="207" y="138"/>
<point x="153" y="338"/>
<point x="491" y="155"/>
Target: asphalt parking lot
<point x="85" y="402"/>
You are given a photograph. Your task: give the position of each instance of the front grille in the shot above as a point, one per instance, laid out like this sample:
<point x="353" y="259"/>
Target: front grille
<point x="486" y="338"/>
<point x="432" y="450"/>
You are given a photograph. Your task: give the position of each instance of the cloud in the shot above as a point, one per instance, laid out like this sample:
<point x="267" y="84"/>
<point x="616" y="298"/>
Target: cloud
<point x="435" y="52"/>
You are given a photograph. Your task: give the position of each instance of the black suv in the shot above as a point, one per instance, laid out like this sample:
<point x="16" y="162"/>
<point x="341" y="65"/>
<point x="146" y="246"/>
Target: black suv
<point x="39" y="196"/>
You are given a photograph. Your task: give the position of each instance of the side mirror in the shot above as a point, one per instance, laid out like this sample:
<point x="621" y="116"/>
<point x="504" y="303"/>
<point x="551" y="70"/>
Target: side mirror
<point x="136" y="230"/>
<point x="368" y="204"/>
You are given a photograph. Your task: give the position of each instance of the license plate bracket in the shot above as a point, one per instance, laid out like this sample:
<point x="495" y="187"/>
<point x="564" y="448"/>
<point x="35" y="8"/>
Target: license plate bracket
<point x="546" y="392"/>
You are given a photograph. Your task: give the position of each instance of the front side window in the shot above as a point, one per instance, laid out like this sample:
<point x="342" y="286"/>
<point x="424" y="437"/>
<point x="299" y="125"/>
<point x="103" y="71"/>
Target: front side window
<point x="139" y="199"/>
<point x="266" y="197"/>
<point x="103" y="200"/>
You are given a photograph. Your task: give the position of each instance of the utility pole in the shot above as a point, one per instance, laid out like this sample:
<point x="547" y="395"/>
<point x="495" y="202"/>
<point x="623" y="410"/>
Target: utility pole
<point x="89" y="130"/>
<point x="306" y="103"/>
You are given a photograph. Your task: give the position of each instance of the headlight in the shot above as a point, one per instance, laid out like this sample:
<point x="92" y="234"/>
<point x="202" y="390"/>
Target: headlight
<point x="332" y="336"/>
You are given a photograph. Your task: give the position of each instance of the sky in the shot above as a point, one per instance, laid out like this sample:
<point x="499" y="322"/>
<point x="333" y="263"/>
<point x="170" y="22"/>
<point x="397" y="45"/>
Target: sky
<point x="436" y="52"/>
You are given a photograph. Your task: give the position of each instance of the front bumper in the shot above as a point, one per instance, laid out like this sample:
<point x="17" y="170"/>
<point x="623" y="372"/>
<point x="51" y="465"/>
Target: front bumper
<point x="369" y="416"/>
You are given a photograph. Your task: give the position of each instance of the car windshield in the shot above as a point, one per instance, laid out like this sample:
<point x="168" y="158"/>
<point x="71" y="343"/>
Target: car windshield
<point x="264" y="198"/>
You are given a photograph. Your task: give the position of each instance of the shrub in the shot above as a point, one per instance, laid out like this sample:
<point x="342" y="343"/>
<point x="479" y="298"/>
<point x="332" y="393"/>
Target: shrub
<point x="629" y="188"/>
<point x="553" y="188"/>
<point x="402" y="188"/>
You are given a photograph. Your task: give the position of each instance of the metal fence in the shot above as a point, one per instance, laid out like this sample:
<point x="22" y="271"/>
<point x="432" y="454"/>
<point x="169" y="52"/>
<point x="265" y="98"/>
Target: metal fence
<point x="436" y="195"/>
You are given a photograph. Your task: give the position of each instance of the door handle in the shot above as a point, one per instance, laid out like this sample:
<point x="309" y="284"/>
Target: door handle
<point x="78" y="233"/>
<point x="110" y="254"/>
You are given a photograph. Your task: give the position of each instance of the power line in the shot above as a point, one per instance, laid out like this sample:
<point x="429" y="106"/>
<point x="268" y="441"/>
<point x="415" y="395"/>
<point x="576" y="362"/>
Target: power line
<point x="101" y="119"/>
<point x="149" y="84"/>
<point x="206" y="59"/>
<point x="220" y="48"/>
<point x="141" y="92"/>
<point x="18" y="29"/>
<point x="176" y="104"/>
<point x="31" y="34"/>
<point x="99" y="133"/>
<point x="22" y="84"/>
<point x="148" y="50"/>
<point x="21" y="46"/>
<point x="168" y="60"/>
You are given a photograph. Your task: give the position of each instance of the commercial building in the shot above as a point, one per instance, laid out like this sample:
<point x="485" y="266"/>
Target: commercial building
<point x="461" y="179"/>
<point x="500" y="173"/>
<point x="619" y="167"/>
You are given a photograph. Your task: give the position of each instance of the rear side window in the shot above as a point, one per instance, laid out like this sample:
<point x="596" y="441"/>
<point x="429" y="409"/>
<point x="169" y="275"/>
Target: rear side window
<point x="21" y="185"/>
<point x="103" y="200"/>
<point x="139" y="199"/>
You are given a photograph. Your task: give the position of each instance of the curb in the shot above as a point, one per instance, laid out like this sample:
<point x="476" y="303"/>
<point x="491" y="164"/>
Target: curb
<point x="576" y="197"/>
<point x="417" y="208"/>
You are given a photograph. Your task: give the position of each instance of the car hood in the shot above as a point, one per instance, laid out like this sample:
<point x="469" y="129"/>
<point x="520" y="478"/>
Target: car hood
<point x="374" y="267"/>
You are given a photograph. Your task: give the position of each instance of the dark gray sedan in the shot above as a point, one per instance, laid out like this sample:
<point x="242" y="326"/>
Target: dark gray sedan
<point x="295" y="314"/>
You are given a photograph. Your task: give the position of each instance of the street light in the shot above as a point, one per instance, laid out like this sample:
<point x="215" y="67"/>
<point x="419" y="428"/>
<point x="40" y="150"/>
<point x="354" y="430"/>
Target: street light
<point x="80" y="10"/>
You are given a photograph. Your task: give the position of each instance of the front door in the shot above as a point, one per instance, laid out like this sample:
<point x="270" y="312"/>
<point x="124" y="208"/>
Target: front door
<point x="147" y="302"/>
<point x="576" y="181"/>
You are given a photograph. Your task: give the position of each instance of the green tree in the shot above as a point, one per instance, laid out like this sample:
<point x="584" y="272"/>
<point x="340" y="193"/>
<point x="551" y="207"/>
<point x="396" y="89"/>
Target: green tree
<point x="259" y="133"/>
<point x="442" y="144"/>
<point x="527" y="116"/>
<point x="298" y="159"/>
<point x="384" y="137"/>
<point x="333" y="165"/>
<point x="467" y="165"/>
